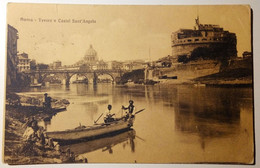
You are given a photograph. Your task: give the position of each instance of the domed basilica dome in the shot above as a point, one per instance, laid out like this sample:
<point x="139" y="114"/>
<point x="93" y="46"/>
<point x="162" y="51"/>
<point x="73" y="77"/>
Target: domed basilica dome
<point x="91" y="55"/>
<point x="91" y="51"/>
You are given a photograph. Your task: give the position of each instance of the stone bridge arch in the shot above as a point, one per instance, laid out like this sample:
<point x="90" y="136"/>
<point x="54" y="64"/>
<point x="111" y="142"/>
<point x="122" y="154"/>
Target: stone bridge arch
<point x="64" y="75"/>
<point x="106" y="73"/>
<point x="40" y="75"/>
<point x="114" y="75"/>
<point x="68" y="76"/>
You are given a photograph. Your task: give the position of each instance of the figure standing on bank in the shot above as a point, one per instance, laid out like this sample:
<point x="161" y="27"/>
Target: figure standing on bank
<point x="47" y="101"/>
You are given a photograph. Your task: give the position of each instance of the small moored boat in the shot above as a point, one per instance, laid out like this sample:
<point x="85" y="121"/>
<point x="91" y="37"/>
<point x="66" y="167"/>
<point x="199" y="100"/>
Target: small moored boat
<point x="36" y="85"/>
<point x="37" y="108"/>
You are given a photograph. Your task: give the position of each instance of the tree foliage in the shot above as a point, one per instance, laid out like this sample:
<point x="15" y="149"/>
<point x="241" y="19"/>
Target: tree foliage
<point x="43" y="66"/>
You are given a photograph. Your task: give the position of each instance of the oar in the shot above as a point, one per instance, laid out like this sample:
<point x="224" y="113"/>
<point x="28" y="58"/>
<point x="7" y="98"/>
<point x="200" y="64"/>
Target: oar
<point x="98" y="118"/>
<point x="139" y="138"/>
<point x="139" y="111"/>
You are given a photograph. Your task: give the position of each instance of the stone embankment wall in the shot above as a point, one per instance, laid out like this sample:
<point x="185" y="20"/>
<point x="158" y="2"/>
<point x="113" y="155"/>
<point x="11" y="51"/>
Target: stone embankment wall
<point x="238" y="72"/>
<point x="185" y="72"/>
<point x="181" y="73"/>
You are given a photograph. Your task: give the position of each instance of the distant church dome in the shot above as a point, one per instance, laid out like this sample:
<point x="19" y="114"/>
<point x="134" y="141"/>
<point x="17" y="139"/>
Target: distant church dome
<point x="91" y="51"/>
<point x="91" y="55"/>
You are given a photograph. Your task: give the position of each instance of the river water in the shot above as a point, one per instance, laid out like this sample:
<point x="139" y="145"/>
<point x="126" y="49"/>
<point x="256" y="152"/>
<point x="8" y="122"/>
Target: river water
<point x="180" y="124"/>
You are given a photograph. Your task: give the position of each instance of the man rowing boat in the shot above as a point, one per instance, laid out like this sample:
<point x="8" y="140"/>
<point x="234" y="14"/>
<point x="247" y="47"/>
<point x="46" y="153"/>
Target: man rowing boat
<point x="130" y="109"/>
<point x="129" y="114"/>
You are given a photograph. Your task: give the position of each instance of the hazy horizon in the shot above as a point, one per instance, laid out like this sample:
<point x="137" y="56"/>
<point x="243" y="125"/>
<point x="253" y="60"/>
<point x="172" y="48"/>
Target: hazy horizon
<point x="116" y="32"/>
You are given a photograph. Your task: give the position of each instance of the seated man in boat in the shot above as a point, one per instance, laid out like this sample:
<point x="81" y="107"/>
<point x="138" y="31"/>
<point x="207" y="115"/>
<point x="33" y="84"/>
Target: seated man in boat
<point x="109" y="115"/>
<point x="130" y="109"/>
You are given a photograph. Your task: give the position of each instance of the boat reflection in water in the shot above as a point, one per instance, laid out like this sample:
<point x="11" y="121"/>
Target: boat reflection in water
<point x="105" y="143"/>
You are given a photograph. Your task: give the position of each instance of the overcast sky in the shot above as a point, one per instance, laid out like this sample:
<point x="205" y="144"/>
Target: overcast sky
<point x="119" y="32"/>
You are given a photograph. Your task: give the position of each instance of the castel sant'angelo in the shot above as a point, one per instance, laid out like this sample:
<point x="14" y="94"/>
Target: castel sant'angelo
<point x="205" y="50"/>
<point x="205" y="41"/>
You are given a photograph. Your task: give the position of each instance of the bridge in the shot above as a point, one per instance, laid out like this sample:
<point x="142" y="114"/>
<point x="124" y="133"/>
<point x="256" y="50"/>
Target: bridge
<point x="66" y="74"/>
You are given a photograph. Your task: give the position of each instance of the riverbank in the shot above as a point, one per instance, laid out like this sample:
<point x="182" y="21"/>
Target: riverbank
<point x="19" y="149"/>
<point x="15" y="151"/>
<point x="232" y="77"/>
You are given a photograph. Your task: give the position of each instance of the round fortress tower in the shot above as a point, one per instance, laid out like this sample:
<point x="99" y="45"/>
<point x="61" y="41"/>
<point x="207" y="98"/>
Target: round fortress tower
<point x="213" y="39"/>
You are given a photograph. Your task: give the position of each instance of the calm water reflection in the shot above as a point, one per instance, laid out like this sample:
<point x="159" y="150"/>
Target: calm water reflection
<point x="180" y="123"/>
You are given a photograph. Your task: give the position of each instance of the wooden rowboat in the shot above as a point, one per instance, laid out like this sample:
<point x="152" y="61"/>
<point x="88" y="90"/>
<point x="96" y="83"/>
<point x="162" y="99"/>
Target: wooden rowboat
<point x="97" y="130"/>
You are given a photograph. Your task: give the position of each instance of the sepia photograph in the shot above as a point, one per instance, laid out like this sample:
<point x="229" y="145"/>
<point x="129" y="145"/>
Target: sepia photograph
<point x="168" y="84"/>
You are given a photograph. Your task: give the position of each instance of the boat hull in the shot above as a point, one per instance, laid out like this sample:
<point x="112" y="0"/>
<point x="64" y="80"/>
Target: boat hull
<point x="90" y="132"/>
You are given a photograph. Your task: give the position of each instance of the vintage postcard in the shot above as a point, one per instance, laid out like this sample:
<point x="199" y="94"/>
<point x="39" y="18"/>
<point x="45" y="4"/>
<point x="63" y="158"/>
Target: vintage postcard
<point x="128" y="84"/>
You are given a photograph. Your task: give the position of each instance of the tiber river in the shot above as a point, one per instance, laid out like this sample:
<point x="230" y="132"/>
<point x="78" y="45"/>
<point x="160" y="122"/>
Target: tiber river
<point x="180" y="124"/>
